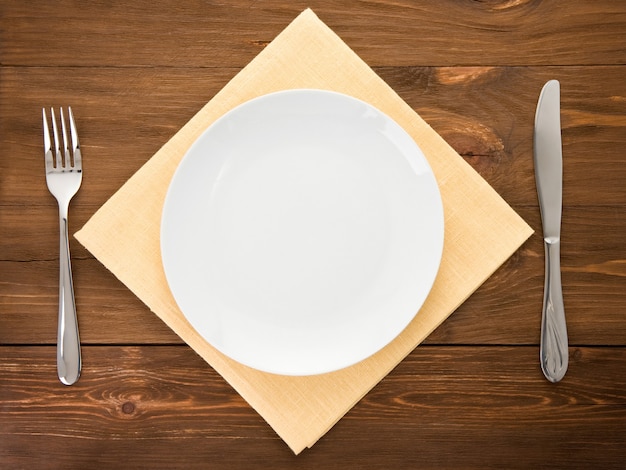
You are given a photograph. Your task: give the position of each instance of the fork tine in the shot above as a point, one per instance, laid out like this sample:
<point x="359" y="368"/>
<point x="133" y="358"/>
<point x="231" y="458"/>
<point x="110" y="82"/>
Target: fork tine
<point x="57" y="149"/>
<point x="75" y="143"/>
<point x="46" y="131"/>
<point x="46" y="141"/>
<point x="66" y="150"/>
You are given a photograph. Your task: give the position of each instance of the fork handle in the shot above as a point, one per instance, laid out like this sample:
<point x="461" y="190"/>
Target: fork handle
<point x="554" y="345"/>
<point x="68" y="342"/>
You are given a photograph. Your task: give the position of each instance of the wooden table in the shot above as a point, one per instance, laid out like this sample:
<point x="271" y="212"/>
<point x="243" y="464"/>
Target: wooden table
<point x="473" y="395"/>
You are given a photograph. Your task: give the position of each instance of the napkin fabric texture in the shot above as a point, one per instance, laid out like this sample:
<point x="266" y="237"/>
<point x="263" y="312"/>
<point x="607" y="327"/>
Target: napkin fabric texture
<point x="481" y="230"/>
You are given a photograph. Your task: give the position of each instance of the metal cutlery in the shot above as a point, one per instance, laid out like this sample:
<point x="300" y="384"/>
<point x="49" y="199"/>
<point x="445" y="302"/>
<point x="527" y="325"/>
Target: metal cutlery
<point x="64" y="175"/>
<point x="549" y="177"/>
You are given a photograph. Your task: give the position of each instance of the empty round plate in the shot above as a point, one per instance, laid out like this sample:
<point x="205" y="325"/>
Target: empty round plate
<point x="302" y="232"/>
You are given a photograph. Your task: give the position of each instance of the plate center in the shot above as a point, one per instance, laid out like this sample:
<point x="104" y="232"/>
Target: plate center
<point x="319" y="231"/>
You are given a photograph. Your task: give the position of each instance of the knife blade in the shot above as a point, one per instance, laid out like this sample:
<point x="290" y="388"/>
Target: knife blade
<point x="553" y="350"/>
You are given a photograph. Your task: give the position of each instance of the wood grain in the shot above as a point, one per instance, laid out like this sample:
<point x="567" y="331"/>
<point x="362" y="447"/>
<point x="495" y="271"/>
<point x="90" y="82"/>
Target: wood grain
<point x="472" y="396"/>
<point x="406" y="32"/>
<point x="446" y="404"/>
<point x="593" y="259"/>
<point x="494" y="134"/>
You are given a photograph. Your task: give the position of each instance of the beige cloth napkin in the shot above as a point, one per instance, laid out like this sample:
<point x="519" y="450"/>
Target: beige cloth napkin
<point x="481" y="230"/>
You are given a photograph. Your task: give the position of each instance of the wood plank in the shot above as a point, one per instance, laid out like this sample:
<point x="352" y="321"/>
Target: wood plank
<point x="107" y="311"/>
<point x="487" y="114"/>
<point x="123" y="117"/>
<point x="593" y="261"/>
<point x="163" y="407"/>
<point x="163" y="33"/>
<point x="593" y="257"/>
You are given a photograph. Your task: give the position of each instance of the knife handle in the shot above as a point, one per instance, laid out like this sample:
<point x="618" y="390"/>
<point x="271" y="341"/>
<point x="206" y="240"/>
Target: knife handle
<point x="554" y="346"/>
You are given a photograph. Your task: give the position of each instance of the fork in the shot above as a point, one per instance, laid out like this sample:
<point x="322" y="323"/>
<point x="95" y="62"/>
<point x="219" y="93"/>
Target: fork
<point x="64" y="173"/>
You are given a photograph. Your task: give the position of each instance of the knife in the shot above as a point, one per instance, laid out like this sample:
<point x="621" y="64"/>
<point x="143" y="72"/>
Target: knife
<point x="553" y="349"/>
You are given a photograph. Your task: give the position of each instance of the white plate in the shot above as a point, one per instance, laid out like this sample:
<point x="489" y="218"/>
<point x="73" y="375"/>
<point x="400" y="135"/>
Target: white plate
<point x="302" y="232"/>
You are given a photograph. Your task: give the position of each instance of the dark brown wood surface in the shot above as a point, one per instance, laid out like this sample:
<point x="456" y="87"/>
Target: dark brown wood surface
<point x="472" y="396"/>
